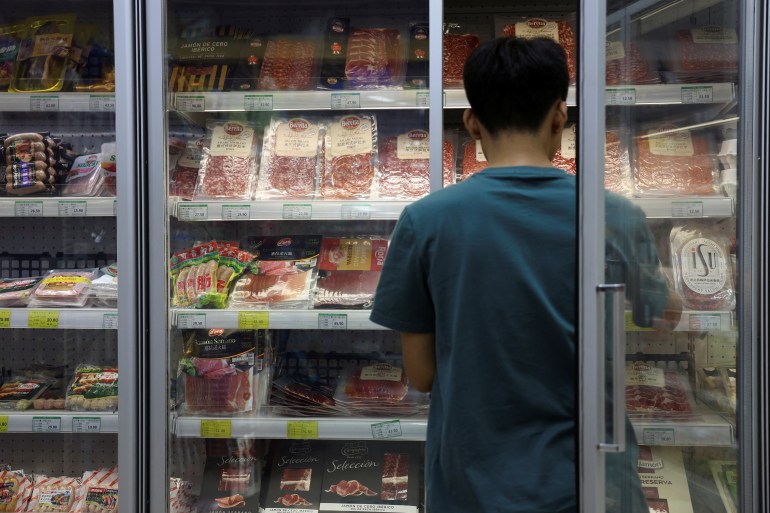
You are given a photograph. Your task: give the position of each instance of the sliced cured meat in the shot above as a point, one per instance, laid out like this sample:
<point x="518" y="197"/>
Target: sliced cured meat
<point x="270" y="288"/>
<point x="379" y="381"/>
<point x="217" y="393"/>
<point x="287" y="65"/>
<point x="708" y="49"/>
<point x="472" y="159"/>
<point x="395" y="477"/>
<point x="558" y="30"/>
<point x="290" y="158"/>
<point x="292" y="499"/>
<point x="185" y="179"/>
<point x="403" y="176"/>
<point x="627" y="65"/>
<point x="350" y="156"/>
<point x="317" y="395"/>
<point x="231" y="501"/>
<point x="457" y="48"/>
<point x="653" y="390"/>
<point x="372" y="57"/>
<point x="346" y="289"/>
<point x="350" y="488"/>
<point x="229" y="168"/>
<point x="296" y="479"/>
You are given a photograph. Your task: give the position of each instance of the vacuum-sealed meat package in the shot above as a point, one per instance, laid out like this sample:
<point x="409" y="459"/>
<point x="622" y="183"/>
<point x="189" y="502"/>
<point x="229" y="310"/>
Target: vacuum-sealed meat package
<point x="566" y="156"/>
<point x="184" y="176"/>
<point x="44" y="54"/>
<point x="63" y="287"/>
<point x="19" y="392"/>
<point x="378" y="389"/>
<point x="85" y="177"/>
<point x="99" y="491"/>
<point x="703" y="276"/>
<point x="702" y="54"/>
<point x="405" y="165"/>
<point x="473" y="159"/>
<point x="350" y="157"/>
<point x="29" y="163"/>
<point x="291" y="156"/>
<point x="229" y="166"/>
<point x="15" y="491"/>
<point x="457" y="48"/>
<point x="15" y="292"/>
<point x="626" y="64"/>
<point x="655" y="392"/>
<point x="288" y="65"/>
<point x="55" y="494"/>
<point x="93" y="388"/>
<point x="373" y="59"/>
<point x="349" y="270"/>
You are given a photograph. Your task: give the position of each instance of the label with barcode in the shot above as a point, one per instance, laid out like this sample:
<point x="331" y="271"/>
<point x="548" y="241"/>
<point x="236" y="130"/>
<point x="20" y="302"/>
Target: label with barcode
<point x="28" y="209"/>
<point x="45" y="319"/>
<point x="86" y="424"/>
<point x="44" y="103"/>
<point x="332" y="321"/>
<point x="705" y="322"/>
<point x="69" y="208"/>
<point x="191" y="103"/>
<point x="656" y="436"/>
<point x="697" y="94"/>
<point x="191" y="321"/>
<point x="258" y="102"/>
<point x="356" y="212"/>
<point x="194" y="212"/>
<point x="102" y="103"/>
<point x="236" y="212"/>
<point x="110" y="321"/>
<point x="624" y="96"/>
<point x="297" y="211"/>
<point x="46" y="424"/>
<point x="346" y="101"/>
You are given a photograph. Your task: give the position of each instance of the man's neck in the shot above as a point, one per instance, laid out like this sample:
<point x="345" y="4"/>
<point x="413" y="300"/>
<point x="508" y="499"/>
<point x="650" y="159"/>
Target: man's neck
<point x="516" y="149"/>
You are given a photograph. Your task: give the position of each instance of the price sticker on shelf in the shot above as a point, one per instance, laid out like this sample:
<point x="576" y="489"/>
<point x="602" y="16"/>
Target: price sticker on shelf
<point x="5" y="318"/>
<point x="356" y="212"/>
<point x="390" y="429"/>
<point x="297" y="211"/>
<point x="46" y="424"/>
<point x="258" y="102"/>
<point x="697" y="94"/>
<point x="211" y="428"/>
<point x="69" y="208"/>
<point x="236" y="212"/>
<point x="253" y="320"/>
<point x="194" y="212"/>
<point x="332" y="321"/>
<point x="705" y="322"/>
<point x="110" y="321"/>
<point x="343" y="101"/>
<point x="191" y="321"/>
<point x="658" y="436"/>
<point x="422" y="100"/>
<point x="687" y="209"/>
<point x="102" y="103"/>
<point x="624" y="96"/>
<point x="44" y="103"/>
<point x="86" y="424"/>
<point x="3" y="423"/>
<point x="302" y="429"/>
<point x="630" y="326"/>
<point x="189" y="103"/>
<point x="44" y="319"/>
<point x="28" y="209"/>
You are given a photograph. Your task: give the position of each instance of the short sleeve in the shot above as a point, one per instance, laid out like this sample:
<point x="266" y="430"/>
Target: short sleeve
<point x="402" y="301"/>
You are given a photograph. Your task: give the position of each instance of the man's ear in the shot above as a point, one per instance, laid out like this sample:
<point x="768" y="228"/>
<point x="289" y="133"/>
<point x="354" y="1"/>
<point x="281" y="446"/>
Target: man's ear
<point x="471" y="123"/>
<point x="560" y="116"/>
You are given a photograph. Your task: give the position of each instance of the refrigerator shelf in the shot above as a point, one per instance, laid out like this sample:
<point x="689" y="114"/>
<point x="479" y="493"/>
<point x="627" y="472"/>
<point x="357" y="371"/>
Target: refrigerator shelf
<point x="324" y="428"/>
<point x="58" y="421"/>
<point x="57" y="102"/>
<point x="709" y="430"/>
<point x="64" y="318"/>
<point x="273" y="319"/>
<point x="58" y="207"/>
<point x="686" y="208"/>
<point x="694" y="321"/>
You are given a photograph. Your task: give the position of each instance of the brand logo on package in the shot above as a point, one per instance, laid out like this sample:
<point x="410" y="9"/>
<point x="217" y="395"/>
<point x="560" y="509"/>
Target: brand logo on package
<point x="300" y="448"/>
<point x="536" y="23"/>
<point x="299" y="125"/>
<point x="233" y="128"/>
<point x="417" y="135"/>
<point x="338" y="26"/>
<point x="216" y="332"/>
<point x="350" y="123"/>
<point x="642" y="367"/>
<point x="355" y="449"/>
<point x="286" y="241"/>
<point x="421" y="35"/>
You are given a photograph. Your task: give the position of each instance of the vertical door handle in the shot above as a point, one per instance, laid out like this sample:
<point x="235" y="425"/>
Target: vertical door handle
<point x="618" y="291"/>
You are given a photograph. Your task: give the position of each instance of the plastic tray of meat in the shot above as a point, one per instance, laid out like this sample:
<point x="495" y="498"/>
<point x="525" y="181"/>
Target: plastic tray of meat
<point x="63" y="287"/>
<point x="373" y="58"/>
<point x="473" y="159"/>
<point x="457" y="48"/>
<point x="557" y="28"/>
<point x="669" y="161"/>
<point x="349" y="271"/>
<point x="288" y="64"/>
<point x="54" y="494"/>
<point x="350" y="157"/>
<point x="703" y="275"/>
<point x="627" y="64"/>
<point x="15" y="292"/>
<point x="184" y="177"/>
<point x="657" y="393"/>
<point x="297" y="395"/>
<point x="405" y="165"/>
<point x="702" y="54"/>
<point x="229" y="166"/>
<point x="378" y="389"/>
<point x="291" y="153"/>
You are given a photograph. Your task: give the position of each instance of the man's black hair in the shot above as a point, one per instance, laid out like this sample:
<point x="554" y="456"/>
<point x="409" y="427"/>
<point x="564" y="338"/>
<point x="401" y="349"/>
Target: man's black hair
<point x="511" y="83"/>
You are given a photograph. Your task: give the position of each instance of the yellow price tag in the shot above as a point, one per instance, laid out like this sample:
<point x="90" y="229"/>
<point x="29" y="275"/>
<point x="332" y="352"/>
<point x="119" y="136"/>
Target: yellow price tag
<point x="3" y="423"/>
<point x="43" y="319"/>
<point x="302" y="429"/>
<point x="253" y="320"/>
<point x="630" y="326"/>
<point x="5" y="318"/>
<point x="216" y="428"/>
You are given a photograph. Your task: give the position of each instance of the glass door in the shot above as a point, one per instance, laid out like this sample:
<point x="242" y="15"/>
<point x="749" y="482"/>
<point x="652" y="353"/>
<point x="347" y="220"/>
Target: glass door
<point x="666" y="268"/>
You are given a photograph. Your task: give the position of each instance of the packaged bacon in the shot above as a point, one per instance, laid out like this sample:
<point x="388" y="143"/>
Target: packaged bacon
<point x="100" y="491"/>
<point x="374" y="58"/>
<point x="703" y="277"/>
<point x="289" y="64"/>
<point x="229" y="165"/>
<point x="557" y="28"/>
<point x="15" y="491"/>
<point x="350" y="151"/>
<point x="55" y="494"/>
<point x="473" y="159"/>
<point x="184" y="176"/>
<point x="15" y="292"/>
<point x="657" y="393"/>
<point x="626" y="64"/>
<point x="291" y="157"/>
<point x="63" y="287"/>
<point x="457" y="48"/>
<point x="702" y="54"/>
<point x="349" y="270"/>
<point x="405" y="165"/>
<point x="672" y="161"/>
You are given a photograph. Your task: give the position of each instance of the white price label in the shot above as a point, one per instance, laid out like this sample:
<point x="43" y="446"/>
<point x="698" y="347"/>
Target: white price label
<point x="102" y="103"/>
<point x="46" y="424"/>
<point x="390" y="429"/>
<point x="687" y="209"/>
<point x="191" y="103"/>
<point x="697" y="94"/>
<point x="346" y="101"/>
<point x="44" y="103"/>
<point x="297" y="211"/>
<point x="625" y="96"/>
<point x="196" y="212"/>
<point x="705" y="322"/>
<point x="356" y="212"/>
<point x="258" y="102"/>
<point x="189" y="321"/>
<point x="110" y="321"/>
<point x="28" y="209"/>
<point x="236" y="212"/>
<point x="422" y="100"/>
<point x="72" y="208"/>
<point x="86" y="424"/>
<point x="332" y="321"/>
<point x="658" y="436"/>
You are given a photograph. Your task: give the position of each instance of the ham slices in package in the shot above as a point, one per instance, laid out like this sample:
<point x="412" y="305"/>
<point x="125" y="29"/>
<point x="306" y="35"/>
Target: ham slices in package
<point x="63" y="287"/>
<point x="626" y="64"/>
<point x="374" y="58"/>
<point x="184" y="177"/>
<point x="702" y="54"/>
<point x="15" y="491"/>
<point x="349" y="270"/>
<point x="657" y="393"/>
<point x="291" y="157"/>
<point x="288" y="64"/>
<point x="15" y="292"/>
<point x="703" y="276"/>
<point x="378" y="389"/>
<point x="350" y="151"/>
<point x="405" y="165"/>
<point x="229" y="165"/>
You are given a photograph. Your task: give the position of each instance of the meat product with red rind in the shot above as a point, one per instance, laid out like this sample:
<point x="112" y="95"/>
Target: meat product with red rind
<point x="395" y="476"/>
<point x="372" y="58"/>
<point x="567" y="41"/>
<point x="457" y="48"/>
<point x="287" y="65"/>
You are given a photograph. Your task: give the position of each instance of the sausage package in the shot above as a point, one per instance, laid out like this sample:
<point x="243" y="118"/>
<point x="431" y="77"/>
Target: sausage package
<point x="229" y="165"/>
<point x="44" y="54"/>
<point x="63" y="288"/>
<point x="100" y="492"/>
<point x="29" y="163"/>
<point x="55" y="494"/>
<point x="350" y="163"/>
<point x="93" y="388"/>
<point x="703" y="277"/>
<point x="15" y="491"/>
<point x="405" y="165"/>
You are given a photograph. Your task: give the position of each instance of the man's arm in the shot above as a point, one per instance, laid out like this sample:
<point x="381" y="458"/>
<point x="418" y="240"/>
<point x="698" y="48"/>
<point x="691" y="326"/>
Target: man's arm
<point x="419" y="350"/>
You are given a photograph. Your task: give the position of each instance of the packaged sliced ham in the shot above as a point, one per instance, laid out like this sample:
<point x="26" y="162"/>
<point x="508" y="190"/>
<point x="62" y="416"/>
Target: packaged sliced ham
<point x="457" y="48"/>
<point x="55" y="494"/>
<point x="93" y="388"/>
<point x="295" y="476"/>
<point x="557" y="28"/>
<point x="15" y="292"/>
<point x="288" y="64"/>
<point x="664" y="480"/>
<point x="300" y="395"/>
<point x="626" y="64"/>
<point x="350" y="157"/>
<point x="291" y="158"/>
<point x="63" y="288"/>
<point x="473" y="159"/>
<point x="657" y="393"/>
<point x="229" y="166"/>
<point x="378" y="389"/>
<point x="703" y="276"/>
<point x="100" y="492"/>
<point x="374" y="58"/>
<point x="670" y="161"/>
<point x="349" y="270"/>
<point x="184" y="176"/>
<point x="15" y="491"/>
<point x="405" y="165"/>
<point x="110" y="168"/>
<point x="85" y="177"/>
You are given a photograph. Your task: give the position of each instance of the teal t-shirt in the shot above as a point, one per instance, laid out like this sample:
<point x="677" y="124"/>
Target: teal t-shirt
<point x="489" y="265"/>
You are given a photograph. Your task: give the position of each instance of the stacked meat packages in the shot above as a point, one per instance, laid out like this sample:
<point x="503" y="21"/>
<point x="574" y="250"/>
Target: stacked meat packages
<point x="657" y="393"/>
<point x="294" y="476"/>
<point x="232" y="476"/>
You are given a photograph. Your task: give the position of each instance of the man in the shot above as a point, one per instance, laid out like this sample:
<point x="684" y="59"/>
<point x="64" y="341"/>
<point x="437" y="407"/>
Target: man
<point x="480" y="280"/>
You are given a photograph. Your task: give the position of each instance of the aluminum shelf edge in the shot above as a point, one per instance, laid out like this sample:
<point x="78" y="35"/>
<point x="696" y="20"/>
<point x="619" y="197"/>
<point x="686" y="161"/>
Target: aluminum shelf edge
<point x="710" y="431"/>
<point x="57" y="421"/>
<point x="62" y="318"/>
<point x="273" y="319"/>
<point x="57" y="102"/>
<point x="57" y="207"/>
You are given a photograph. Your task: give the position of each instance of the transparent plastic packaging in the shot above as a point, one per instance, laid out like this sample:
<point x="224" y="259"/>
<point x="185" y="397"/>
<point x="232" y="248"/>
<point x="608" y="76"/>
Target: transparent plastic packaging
<point x="374" y="58"/>
<point x="627" y="63"/>
<point x="701" y="54"/>
<point x="44" y="54"/>
<point x="349" y="271"/>
<point x="63" y="288"/>
<point x="16" y="292"/>
<point x="378" y="389"/>
<point x="289" y="64"/>
<point x="405" y="165"/>
<point x="473" y="159"/>
<point x="85" y="177"/>
<point x="16" y="490"/>
<point x="93" y="388"/>
<point x="19" y="392"/>
<point x="657" y="393"/>
<point x="104" y="289"/>
<point x="184" y="177"/>
<point x="229" y="165"/>
<point x="110" y="168"/>
<point x="350" y="157"/>
<point x="29" y="163"/>
<point x="55" y="494"/>
<point x="457" y="47"/>
<point x="100" y="491"/>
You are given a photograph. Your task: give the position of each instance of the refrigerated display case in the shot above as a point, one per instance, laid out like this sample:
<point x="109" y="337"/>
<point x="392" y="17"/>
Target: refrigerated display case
<point x="65" y="93"/>
<point x="254" y="339"/>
